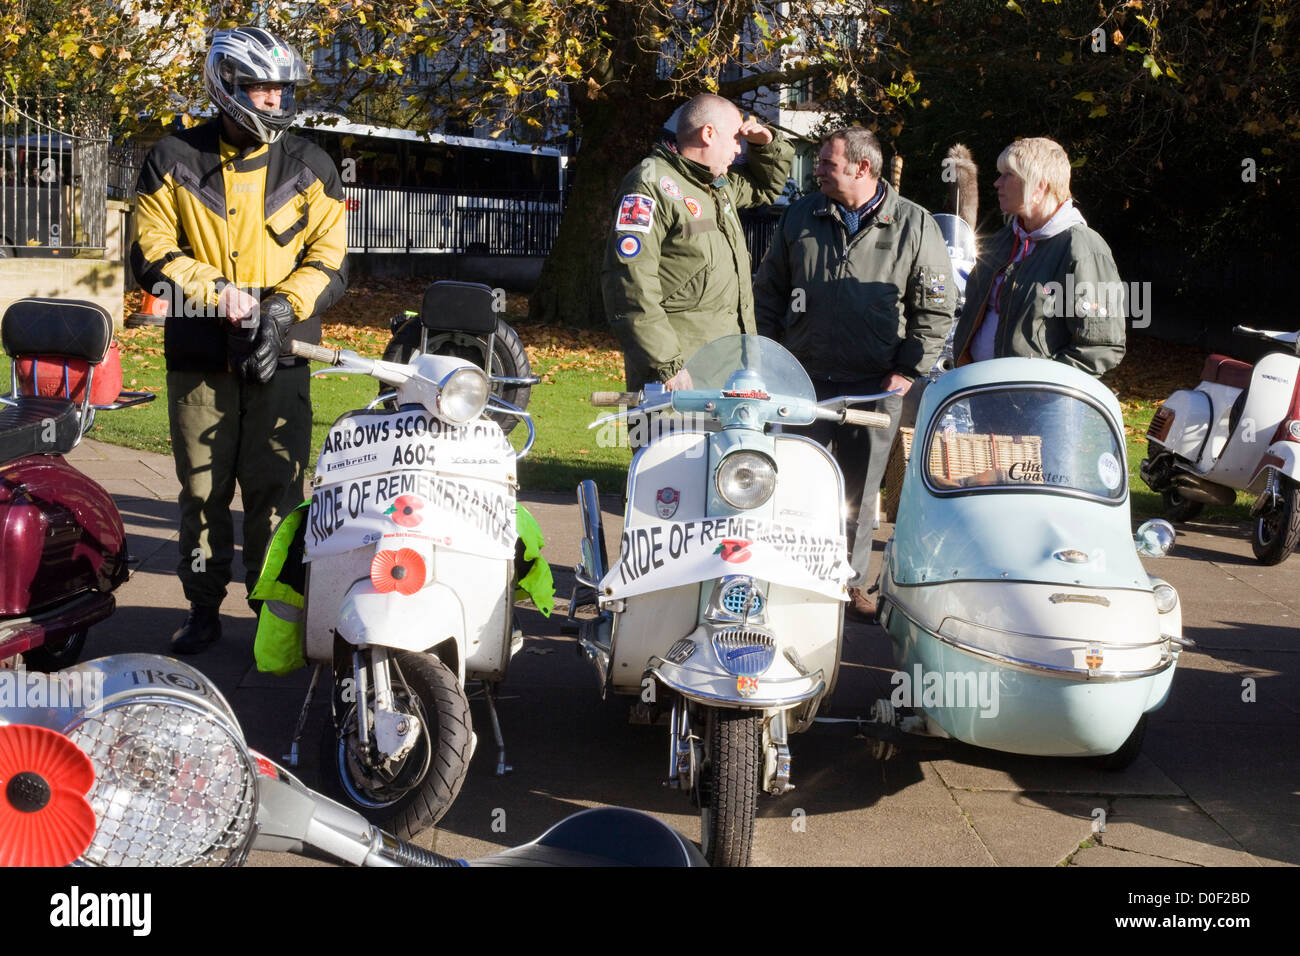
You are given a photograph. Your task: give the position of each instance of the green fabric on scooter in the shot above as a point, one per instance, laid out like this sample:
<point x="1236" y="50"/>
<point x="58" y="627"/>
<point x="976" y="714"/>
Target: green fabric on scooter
<point x="278" y="645"/>
<point x="537" y="584"/>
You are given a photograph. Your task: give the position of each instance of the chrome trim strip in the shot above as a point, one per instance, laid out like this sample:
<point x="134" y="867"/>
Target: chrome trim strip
<point x="653" y="668"/>
<point x="1048" y="670"/>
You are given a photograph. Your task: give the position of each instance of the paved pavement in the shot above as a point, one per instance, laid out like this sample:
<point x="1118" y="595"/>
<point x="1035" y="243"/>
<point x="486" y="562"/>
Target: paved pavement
<point x="1218" y="783"/>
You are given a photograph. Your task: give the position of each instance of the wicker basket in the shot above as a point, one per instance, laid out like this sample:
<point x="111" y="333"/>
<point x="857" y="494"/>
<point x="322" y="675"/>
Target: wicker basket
<point x="956" y="456"/>
<point x="899" y="453"/>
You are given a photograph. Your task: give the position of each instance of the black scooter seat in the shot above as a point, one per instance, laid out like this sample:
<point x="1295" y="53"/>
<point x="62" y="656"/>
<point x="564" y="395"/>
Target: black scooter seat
<point x="38" y="426"/>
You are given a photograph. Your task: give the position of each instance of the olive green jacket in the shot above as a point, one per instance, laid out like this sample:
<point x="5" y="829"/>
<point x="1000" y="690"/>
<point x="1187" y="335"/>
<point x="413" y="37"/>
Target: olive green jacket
<point x="1063" y="301"/>
<point x="854" y="308"/>
<point x="676" y="274"/>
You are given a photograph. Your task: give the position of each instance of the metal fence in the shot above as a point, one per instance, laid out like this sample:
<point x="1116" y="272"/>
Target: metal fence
<point x="53" y="180"/>
<point x="425" y="220"/>
<point x="384" y="219"/>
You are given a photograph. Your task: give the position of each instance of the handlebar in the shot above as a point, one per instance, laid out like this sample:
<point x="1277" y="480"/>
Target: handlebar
<point x="857" y="416"/>
<point x="315" y="353"/>
<point x="616" y="398"/>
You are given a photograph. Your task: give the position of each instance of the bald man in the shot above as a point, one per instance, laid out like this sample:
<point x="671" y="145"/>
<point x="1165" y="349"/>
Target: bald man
<point x="676" y="274"/>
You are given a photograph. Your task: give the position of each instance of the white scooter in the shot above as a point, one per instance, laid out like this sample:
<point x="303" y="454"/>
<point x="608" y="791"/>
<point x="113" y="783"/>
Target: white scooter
<point x="410" y="547"/>
<point x="1239" y="429"/>
<point x="726" y="600"/>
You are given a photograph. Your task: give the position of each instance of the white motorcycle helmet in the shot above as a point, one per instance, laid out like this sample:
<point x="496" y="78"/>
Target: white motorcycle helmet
<point x="252" y="55"/>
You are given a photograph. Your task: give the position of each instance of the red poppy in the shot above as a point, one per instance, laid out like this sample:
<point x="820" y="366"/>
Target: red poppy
<point x="734" y="550"/>
<point x="45" y="818"/>
<point x="402" y="571"/>
<point x="406" y="510"/>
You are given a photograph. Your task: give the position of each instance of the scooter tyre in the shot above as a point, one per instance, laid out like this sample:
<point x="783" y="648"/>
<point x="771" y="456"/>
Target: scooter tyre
<point x="509" y="358"/>
<point x="1178" y="508"/>
<point x="733" y="765"/>
<point x="446" y="708"/>
<point x="1277" y="534"/>
<point x="48" y="659"/>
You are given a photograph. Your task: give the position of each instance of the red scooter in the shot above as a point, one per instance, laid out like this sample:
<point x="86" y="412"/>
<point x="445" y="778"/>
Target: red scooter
<point x="62" y="544"/>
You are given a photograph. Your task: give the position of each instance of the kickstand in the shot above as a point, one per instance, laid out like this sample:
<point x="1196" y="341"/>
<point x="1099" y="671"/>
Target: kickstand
<point x="291" y="758"/>
<point x="489" y="693"/>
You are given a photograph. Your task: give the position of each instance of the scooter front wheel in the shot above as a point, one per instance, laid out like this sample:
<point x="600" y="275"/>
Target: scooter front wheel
<point x="411" y="794"/>
<point x="55" y="657"/>
<point x="1278" y="531"/>
<point x="731" y="777"/>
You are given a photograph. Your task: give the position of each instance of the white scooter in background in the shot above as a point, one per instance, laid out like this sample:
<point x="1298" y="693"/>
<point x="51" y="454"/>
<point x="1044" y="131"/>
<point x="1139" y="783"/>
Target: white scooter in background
<point x="1239" y="429"/>
<point x="410" y="544"/>
<point x="725" y="605"/>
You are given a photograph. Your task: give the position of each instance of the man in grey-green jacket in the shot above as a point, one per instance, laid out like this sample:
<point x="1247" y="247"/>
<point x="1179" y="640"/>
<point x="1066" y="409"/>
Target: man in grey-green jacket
<point x="857" y="284"/>
<point x="676" y="274"/>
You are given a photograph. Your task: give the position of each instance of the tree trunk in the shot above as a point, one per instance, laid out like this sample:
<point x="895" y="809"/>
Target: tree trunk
<point x="617" y="133"/>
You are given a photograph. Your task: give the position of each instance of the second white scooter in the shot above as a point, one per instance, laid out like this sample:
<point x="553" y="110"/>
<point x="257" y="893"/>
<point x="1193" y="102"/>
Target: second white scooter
<point x="1239" y="429"/>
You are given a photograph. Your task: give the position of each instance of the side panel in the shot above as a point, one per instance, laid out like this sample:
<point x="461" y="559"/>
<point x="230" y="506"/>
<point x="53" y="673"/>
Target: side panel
<point x="1267" y="400"/>
<point x="652" y="622"/>
<point x="1192" y="416"/>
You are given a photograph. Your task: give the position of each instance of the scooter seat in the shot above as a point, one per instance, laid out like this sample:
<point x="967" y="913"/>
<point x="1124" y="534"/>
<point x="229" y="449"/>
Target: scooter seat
<point x="38" y="426"/>
<point x="1227" y="371"/>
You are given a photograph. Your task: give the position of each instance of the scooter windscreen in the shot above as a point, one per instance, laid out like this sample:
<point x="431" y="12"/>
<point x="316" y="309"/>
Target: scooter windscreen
<point x="749" y="363"/>
<point x="960" y="239"/>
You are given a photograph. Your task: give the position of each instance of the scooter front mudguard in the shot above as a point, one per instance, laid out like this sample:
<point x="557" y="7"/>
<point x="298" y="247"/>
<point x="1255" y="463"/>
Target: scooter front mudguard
<point x="404" y="622"/>
<point x="693" y="668"/>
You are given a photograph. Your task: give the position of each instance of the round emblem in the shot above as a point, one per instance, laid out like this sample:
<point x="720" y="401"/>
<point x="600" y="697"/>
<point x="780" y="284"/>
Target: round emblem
<point x="629" y="246"/>
<point x="693" y="206"/>
<point x="1109" y="471"/>
<point x="669" y="185"/>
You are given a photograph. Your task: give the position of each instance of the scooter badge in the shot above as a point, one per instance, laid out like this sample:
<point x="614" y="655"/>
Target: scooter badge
<point x="666" y="502"/>
<point x="747" y="686"/>
<point x="1093" y="659"/>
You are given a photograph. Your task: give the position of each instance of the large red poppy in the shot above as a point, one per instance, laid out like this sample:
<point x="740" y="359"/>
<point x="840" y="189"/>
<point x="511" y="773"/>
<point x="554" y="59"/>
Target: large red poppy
<point x="402" y="571"/>
<point x="406" y="510"/>
<point x="45" y="818"/>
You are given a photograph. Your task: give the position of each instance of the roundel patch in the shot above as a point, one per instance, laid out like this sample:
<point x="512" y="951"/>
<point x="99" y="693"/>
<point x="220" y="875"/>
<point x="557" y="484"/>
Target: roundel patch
<point x="629" y="246"/>
<point x="669" y="185"/>
<point x="694" y="206"/>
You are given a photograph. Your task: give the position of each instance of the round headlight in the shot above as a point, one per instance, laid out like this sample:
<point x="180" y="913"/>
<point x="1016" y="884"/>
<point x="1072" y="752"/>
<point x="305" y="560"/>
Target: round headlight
<point x="1166" y="598"/>
<point x="463" y="396"/>
<point x="174" y="785"/>
<point x="746" y="479"/>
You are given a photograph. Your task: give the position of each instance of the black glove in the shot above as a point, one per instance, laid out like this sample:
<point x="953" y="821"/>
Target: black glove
<point x="275" y="318"/>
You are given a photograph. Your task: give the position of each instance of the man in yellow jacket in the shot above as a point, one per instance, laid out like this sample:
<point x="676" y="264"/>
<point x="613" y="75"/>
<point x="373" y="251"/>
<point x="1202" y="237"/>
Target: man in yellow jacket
<point x="242" y="229"/>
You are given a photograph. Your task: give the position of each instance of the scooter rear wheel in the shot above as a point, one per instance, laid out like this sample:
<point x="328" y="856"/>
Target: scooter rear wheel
<point x="732" y="768"/>
<point x="412" y="794"/>
<point x="1278" y="531"/>
<point x="1178" y="508"/>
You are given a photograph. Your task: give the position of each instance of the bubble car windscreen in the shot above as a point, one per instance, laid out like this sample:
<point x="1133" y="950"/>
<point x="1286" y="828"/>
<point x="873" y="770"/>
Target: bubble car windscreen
<point x="762" y="362"/>
<point x="1024" y="439"/>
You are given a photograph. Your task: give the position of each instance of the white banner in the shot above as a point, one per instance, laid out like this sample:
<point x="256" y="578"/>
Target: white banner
<point x="474" y="516"/>
<point x="366" y="444"/>
<point x="671" y="553"/>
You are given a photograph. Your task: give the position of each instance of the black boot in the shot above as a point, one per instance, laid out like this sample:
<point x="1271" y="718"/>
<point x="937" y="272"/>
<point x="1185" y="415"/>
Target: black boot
<point x="200" y="629"/>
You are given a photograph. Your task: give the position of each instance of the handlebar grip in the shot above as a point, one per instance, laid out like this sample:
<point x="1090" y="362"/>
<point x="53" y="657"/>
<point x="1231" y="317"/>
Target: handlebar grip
<point x="315" y="353"/>
<point x="858" y="416"/>
<point x="615" y="398"/>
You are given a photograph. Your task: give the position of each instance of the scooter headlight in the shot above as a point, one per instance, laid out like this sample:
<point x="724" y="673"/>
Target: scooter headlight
<point x="746" y="479"/>
<point x="463" y="395"/>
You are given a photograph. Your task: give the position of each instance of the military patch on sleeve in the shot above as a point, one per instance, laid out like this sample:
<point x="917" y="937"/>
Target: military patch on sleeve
<point x="635" y="213"/>
<point x="669" y="185"/>
<point x="628" y="246"/>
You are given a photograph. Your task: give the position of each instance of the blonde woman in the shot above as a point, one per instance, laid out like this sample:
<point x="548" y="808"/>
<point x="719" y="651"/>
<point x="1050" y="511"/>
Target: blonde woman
<point x="1046" y="285"/>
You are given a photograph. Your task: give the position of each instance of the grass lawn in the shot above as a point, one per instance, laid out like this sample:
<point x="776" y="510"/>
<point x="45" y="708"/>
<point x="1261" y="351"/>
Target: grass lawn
<point x="572" y="365"/>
